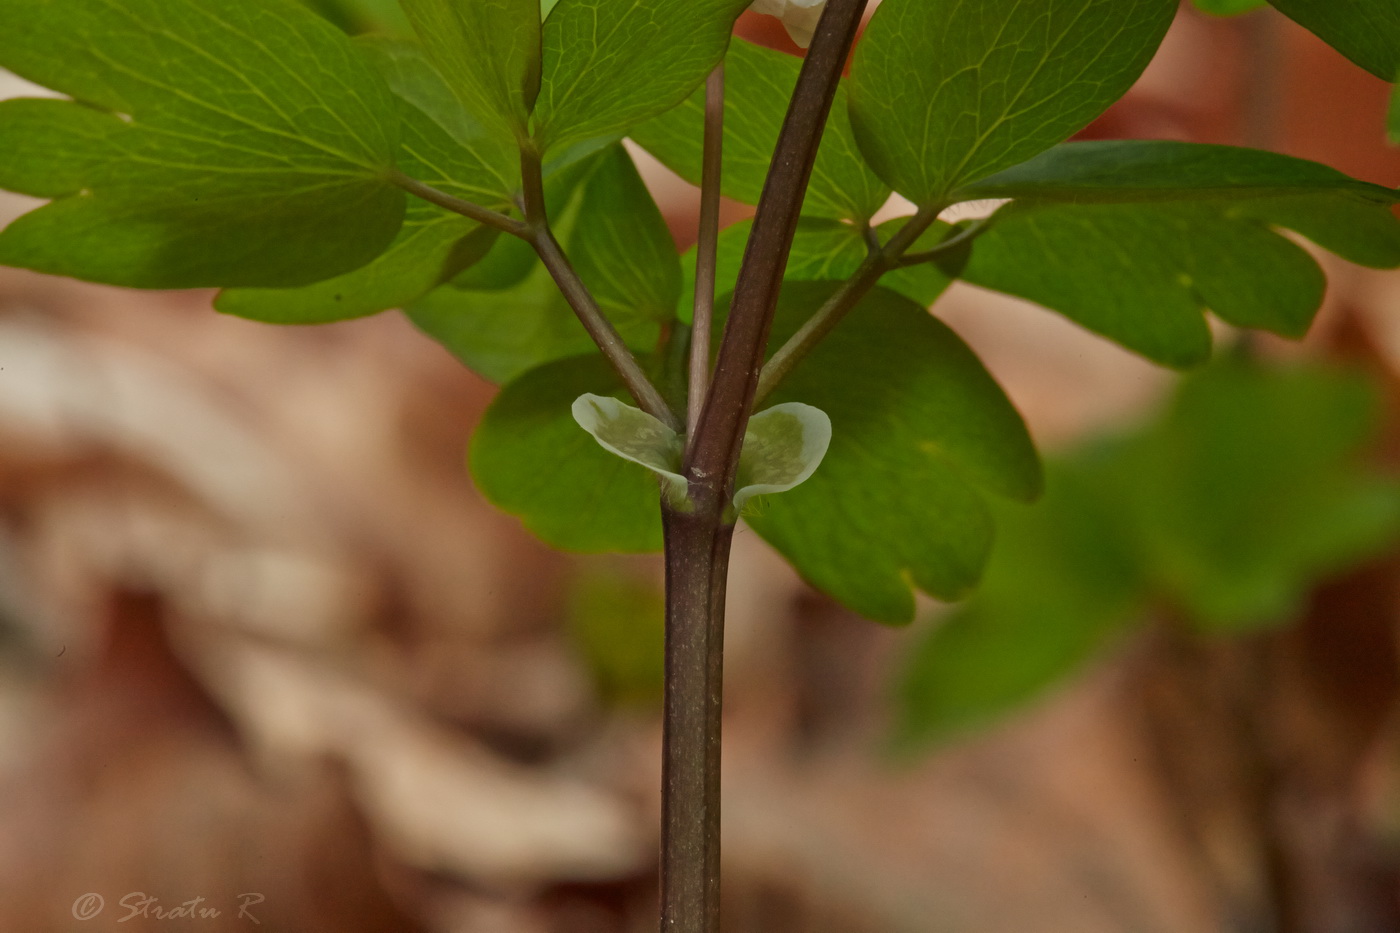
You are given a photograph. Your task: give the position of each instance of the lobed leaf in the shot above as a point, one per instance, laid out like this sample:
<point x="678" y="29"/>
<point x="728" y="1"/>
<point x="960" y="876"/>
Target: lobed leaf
<point x="610" y="64"/>
<point x="222" y="159"/>
<point x="758" y="85"/>
<point x="944" y="92"/>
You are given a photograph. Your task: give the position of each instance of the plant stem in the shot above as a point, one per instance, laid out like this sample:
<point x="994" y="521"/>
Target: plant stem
<point x="820" y="324"/>
<point x="713" y="454"/>
<point x="706" y="248"/>
<point x="609" y="341"/>
<point x="697" y="565"/>
<point x="482" y="215"/>
<point x="698" y="539"/>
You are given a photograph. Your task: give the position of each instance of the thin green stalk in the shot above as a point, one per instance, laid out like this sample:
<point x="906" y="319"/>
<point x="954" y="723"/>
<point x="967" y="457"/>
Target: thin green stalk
<point x="706" y="248"/>
<point x="876" y="264"/>
<point x="482" y="215"/>
<point x="608" y="340"/>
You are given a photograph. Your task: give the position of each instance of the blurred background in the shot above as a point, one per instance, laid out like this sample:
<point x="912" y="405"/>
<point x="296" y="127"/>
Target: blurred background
<point x="261" y="643"/>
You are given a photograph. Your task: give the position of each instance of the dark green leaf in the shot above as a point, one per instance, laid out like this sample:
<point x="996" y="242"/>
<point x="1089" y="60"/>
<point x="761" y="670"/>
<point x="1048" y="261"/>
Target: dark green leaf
<point x="1142" y="274"/>
<point x="920" y="432"/>
<point x="489" y="52"/>
<point x="530" y="458"/>
<point x="758" y="84"/>
<point x="623" y="249"/>
<point x="446" y="150"/>
<point x="226" y="158"/>
<point x="1251" y="489"/>
<point x="1228" y="7"/>
<point x="610" y="65"/>
<point x="948" y="91"/>
<point x="1365" y="31"/>
<point x="1141" y="170"/>
<point x="1063" y="578"/>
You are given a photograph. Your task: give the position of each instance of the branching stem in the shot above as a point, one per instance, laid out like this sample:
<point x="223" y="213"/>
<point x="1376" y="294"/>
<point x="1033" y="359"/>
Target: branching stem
<point x="609" y="341"/>
<point x="482" y="215"/>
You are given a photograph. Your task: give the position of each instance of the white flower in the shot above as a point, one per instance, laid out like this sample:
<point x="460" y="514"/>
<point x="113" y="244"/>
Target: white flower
<point x="799" y="16"/>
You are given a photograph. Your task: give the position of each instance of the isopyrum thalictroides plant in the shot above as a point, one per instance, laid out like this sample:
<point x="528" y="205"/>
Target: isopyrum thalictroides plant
<point x="475" y="177"/>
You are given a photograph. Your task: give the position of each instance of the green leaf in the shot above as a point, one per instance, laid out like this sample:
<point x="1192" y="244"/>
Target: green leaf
<point x="1142" y="274"/>
<point x="502" y="332"/>
<point x="758" y="83"/>
<point x="1063" y="579"/>
<point x="224" y="158"/>
<point x="783" y="446"/>
<point x="610" y="65"/>
<point x="623" y="249"/>
<point x="1365" y="31"/>
<point x="618" y="623"/>
<point x="945" y="92"/>
<point x="1228" y="7"/>
<point x="489" y="52"/>
<point x="919" y="432"/>
<point x="1252" y="488"/>
<point x="529" y="458"/>
<point x="1141" y="170"/>
<point x="633" y="435"/>
<point x="441" y="146"/>
<point x="359" y="16"/>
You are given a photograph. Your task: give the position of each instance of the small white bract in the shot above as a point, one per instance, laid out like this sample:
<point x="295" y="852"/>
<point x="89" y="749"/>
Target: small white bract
<point x="799" y="16"/>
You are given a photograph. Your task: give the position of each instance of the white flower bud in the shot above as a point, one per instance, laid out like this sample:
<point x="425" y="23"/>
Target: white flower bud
<point x="798" y="16"/>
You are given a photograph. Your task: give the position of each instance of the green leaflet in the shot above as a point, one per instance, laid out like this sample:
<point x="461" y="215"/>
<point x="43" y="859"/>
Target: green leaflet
<point x="1365" y="31"/>
<point x="226" y="161"/>
<point x="1157" y="170"/>
<point x="617" y="623"/>
<point x="1064" y="578"/>
<point x="442" y="146"/>
<point x="358" y="16"/>
<point x="529" y="458"/>
<point x="944" y="92"/>
<point x="1142" y="274"/>
<point x="1392" y="123"/>
<point x="758" y="83"/>
<point x="609" y="65"/>
<point x="1251" y="488"/>
<point x="623" y="249"/>
<point x="1224" y="512"/>
<point x="919" y="432"/>
<point x="489" y="52"/>
<point x="630" y="433"/>
<point x="500" y="329"/>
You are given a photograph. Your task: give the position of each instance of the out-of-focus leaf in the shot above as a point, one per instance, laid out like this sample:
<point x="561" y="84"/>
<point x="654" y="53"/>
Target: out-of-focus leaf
<point x="220" y="160"/>
<point x="608" y="66"/>
<point x="758" y="83"/>
<point x="944" y="92"/>
<point x="1063" y="578"/>
<point x="1365" y="31"/>
<point x="1251" y="489"/>
<point x="618" y="623"/>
